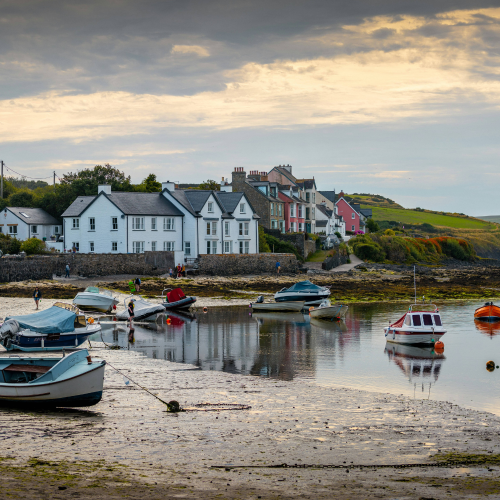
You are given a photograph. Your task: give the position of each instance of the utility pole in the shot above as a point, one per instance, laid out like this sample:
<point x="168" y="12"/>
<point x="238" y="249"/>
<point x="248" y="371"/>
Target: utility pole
<point x="54" y="180"/>
<point x="1" y="181"/>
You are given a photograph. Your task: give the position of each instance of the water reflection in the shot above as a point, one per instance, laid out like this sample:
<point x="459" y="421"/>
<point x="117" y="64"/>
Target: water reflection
<point x="490" y="328"/>
<point x="353" y="354"/>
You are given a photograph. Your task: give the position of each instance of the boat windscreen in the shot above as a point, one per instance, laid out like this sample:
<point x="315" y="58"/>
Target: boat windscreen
<point x="52" y="320"/>
<point x="304" y="286"/>
<point x="92" y="289"/>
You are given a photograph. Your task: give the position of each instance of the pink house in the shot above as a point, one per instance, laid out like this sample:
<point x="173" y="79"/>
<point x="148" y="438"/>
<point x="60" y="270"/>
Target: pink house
<point x="353" y="219"/>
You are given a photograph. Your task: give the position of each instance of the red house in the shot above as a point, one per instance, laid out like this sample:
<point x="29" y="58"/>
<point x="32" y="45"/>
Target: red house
<point x="353" y="219"/>
<point x="294" y="211"/>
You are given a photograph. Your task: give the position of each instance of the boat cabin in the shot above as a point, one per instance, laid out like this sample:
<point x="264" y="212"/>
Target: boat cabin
<point x="418" y="318"/>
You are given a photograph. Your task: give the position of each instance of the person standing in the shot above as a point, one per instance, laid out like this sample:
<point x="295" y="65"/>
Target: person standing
<point x="131" y="312"/>
<point x="171" y="272"/>
<point x="37" y="296"/>
<point x="278" y="267"/>
<point x="138" y="284"/>
<point x="183" y="271"/>
<point x="179" y="269"/>
<point x="67" y="270"/>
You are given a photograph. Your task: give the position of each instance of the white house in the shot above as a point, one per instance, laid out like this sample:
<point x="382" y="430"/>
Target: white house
<point x="187" y="223"/>
<point x="215" y="221"/>
<point x="23" y="223"/>
<point x="122" y="222"/>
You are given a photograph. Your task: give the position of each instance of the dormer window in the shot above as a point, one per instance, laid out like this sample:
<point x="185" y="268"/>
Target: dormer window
<point x="211" y="207"/>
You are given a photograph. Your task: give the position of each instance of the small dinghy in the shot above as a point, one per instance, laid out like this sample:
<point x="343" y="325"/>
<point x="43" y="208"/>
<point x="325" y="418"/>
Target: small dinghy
<point x="62" y="326"/>
<point x="328" y="311"/>
<point x="176" y="299"/>
<point x="292" y="306"/>
<point x="420" y="325"/>
<point x="73" y="380"/>
<point x="95" y="299"/>
<point x="488" y="312"/>
<point x="143" y="310"/>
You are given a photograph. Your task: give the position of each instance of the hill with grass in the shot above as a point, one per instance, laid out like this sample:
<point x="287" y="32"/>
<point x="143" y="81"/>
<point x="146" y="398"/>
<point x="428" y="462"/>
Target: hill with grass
<point x="490" y="218"/>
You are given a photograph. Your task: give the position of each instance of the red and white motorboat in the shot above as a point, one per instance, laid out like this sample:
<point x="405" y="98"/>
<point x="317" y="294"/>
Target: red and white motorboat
<point x="420" y="325"/>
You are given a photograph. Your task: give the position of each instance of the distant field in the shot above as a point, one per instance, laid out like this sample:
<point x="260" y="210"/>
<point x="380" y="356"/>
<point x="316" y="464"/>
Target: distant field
<point x="490" y="218"/>
<point x="416" y="217"/>
<point x="373" y="200"/>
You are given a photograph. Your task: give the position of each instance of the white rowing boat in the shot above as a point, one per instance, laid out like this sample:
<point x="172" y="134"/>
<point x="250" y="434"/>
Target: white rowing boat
<point x="326" y="310"/>
<point x="290" y="306"/>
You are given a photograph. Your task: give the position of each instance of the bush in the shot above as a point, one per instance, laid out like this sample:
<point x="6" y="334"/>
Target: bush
<point x="372" y="226"/>
<point x="280" y="246"/>
<point x="33" y="246"/>
<point x="9" y="245"/>
<point x="389" y="232"/>
<point x="338" y="235"/>
<point x="263" y="245"/>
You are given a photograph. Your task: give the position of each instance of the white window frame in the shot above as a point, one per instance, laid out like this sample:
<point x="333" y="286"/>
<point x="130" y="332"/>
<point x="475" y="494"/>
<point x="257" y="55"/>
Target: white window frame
<point x="246" y="229"/>
<point x="138" y="225"/>
<point x="272" y="208"/>
<point x="56" y="230"/>
<point x="169" y="246"/>
<point x="138" y="247"/>
<point x="209" y="228"/>
<point x="114" y="246"/>
<point x="247" y="247"/>
<point x="241" y="247"/>
<point x="114" y="223"/>
<point x="353" y="216"/>
<point x="91" y="246"/>
<point x="76" y="224"/>
<point x="274" y="224"/>
<point x="153" y="246"/>
<point x="292" y="210"/>
<point x="240" y="229"/>
<point x="210" y="207"/>
<point x="13" y="229"/>
<point x="314" y="197"/>
<point x="169" y="224"/>
<point x="91" y="223"/>
<point x="214" y="228"/>
<point x="154" y="226"/>
<point x="227" y="228"/>
<point x="242" y="208"/>
<point x="76" y="245"/>
<point x="353" y="228"/>
<point x="187" y="248"/>
<point x="280" y="212"/>
<point x="228" y="246"/>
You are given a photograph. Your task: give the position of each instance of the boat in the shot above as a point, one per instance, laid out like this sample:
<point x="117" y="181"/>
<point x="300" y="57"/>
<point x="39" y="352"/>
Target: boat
<point x="62" y="326"/>
<point x="328" y="311"/>
<point x="143" y="310"/>
<point x="73" y="380"/>
<point x="420" y="325"/>
<point x="488" y="312"/>
<point x="305" y="291"/>
<point x="176" y="299"/>
<point x="95" y="299"/>
<point x="291" y="306"/>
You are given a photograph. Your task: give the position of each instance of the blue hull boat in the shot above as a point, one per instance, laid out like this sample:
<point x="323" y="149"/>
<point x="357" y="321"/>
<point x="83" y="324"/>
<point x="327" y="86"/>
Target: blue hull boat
<point x="71" y="381"/>
<point x="62" y="326"/>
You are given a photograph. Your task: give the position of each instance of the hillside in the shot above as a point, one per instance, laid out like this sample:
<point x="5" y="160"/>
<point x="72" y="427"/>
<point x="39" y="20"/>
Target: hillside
<point x="407" y="216"/>
<point x="490" y="218"/>
<point x="372" y="200"/>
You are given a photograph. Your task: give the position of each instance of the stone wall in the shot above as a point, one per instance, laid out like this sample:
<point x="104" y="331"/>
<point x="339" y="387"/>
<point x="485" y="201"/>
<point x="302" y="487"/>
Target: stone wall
<point x="43" y="267"/>
<point x="309" y="247"/>
<point x="337" y="260"/>
<point x="234" y="264"/>
<point x="298" y="240"/>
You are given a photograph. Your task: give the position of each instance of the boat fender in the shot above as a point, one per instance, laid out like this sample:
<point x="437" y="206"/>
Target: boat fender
<point x="205" y="309"/>
<point x="311" y="308"/>
<point x="490" y="366"/>
<point x="91" y="321"/>
<point x="439" y="346"/>
<point x="114" y="307"/>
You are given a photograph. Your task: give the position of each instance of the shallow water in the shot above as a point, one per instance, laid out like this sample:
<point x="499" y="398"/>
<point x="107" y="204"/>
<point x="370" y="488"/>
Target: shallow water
<point x="353" y="353"/>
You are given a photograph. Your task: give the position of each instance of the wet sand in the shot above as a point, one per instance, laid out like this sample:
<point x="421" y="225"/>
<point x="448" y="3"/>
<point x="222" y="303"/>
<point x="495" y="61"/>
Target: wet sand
<point x="128" y="445"/>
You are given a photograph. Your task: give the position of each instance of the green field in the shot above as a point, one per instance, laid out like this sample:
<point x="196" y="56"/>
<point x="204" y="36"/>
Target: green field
<point x="417" y="217"/>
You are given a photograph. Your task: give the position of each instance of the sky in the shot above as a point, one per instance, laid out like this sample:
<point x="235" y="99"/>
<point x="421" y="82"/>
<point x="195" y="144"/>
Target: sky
<point x="393" y="97"/>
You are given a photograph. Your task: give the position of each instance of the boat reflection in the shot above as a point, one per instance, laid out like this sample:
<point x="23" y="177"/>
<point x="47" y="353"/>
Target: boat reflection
<point x="490" y="328"/>
<point x="421" y="365"/>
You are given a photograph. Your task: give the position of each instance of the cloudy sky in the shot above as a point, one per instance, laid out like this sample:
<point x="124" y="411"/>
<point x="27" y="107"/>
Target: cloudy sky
<point x="396" y="97"/>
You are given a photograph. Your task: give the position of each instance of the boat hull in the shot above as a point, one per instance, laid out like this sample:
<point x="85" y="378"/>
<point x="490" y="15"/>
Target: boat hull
<point x="84" y="389"/>
<point x="290" y="306"/>
<point x="308" y="299"/>
<point x="487" y="313"/>
<point x="180" y="304"/>
<point x="401" y="336"/>
<point x="336" y="311"/>
<point x="146" y="314"/>
<point x="94" y="302"/>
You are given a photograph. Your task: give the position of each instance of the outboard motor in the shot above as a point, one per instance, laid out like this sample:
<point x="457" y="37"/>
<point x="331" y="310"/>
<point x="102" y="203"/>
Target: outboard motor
<point x="7" y="332"/>
<point x="260" y="299"/>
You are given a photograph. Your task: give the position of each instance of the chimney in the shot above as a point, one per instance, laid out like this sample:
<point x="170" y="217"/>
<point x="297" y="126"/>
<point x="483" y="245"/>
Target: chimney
<point x="168" y="185"/>
<point x="288" y="167"/>
<point x="104" y="188"/>
<point x="239" y="176"/>
<point x="341" y="194"/>
<point x="263" y="176"/>
<point x="254" y="174"/>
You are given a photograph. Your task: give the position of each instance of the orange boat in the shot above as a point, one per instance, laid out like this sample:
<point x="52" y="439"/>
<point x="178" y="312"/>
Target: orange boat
<point x="488" y="312"/>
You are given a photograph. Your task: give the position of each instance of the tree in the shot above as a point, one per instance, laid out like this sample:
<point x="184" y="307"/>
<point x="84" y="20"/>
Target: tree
<point x="263" y="246"/>
<point x="211" y="185"/>
<point x="23" y="198"/>
<point x="85" y="182"/>
<point x="372" y="226"/>
<point x="150" y="185"/>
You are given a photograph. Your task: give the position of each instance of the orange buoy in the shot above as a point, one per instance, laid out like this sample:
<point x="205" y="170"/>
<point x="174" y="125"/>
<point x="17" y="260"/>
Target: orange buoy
<point x="311" y="308"/>
<point x="169" y="321"/>
<point x="439" y="345"/>
<point x="490" y="366"/>
<point x="91" y="321"/>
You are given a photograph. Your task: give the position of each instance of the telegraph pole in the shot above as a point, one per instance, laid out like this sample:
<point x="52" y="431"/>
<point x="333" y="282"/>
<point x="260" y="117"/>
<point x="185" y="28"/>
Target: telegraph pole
<point x="1" y="181"/>
<point x="54" y="180"/>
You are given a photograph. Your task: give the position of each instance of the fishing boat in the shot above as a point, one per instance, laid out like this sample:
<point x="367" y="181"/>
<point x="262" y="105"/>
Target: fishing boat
<point x="176" y="299"/>
<point x="290" y="306"/>
<point x="305" y="291"/>
<point x="95" y="299"/>
<point x="488" y="312"/>
<point x="62" y="326"/>
<point x="143" y="310"/>
<point x="328" y="311"/>
<point x="73" y="380"/>
<point x="420" y="325"/>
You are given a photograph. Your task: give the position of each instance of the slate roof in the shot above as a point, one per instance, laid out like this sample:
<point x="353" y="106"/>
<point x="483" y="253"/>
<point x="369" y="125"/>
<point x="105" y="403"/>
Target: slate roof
<point x="367" y="212"/>
<point x="229" y="200"/>
<point x="284" y="172"/>
<point x="324" y="210"/>
<point x="35" y="216"/>
<point x="329" y="195"/>
<point x="306" y="183"/>
<point x="181" y="197"/>
<point x="197" y="198"/>
<point x="128" y="203"/>
<point x="321" y="223"/>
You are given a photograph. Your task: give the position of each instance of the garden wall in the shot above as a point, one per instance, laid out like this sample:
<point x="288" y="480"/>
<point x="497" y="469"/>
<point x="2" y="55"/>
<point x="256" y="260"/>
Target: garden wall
<point x="234" y="264"/>
<point x="335" y="261"/>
